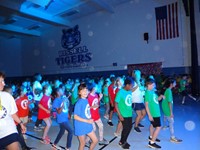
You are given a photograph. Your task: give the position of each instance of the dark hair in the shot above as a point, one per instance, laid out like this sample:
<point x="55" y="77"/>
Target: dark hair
<point x="2" y="75"/>
<point x="82" y="86"/>
<point x="91" y="86"/>
<point x="7" y="88"/>
<point x="128" y="80"/>
<point x="168" y="82"/>
<point x="149" y="81"/>
<point x="112" y="79"/>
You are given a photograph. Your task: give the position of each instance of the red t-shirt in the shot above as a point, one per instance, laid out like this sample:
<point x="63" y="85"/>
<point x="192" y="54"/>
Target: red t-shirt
<point x="111" y="93"/>
<point x="45" y="102"/>
<point x="94" y="100"/>
<point x="22" y="106"/>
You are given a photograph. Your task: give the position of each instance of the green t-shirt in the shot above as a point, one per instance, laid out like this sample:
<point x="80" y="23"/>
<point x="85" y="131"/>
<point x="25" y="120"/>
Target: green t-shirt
<point x="182" y="85"/>
<point x="124" y="100"/>
<point x="165" y="102"/>
<point x="105" y="94"/>
<point x="152" y="99"/>
<point x="74" y="96"/>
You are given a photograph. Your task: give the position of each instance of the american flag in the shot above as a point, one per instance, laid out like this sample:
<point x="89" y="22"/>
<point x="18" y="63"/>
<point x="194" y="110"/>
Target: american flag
<point x="167" y="22"/>
<point x="199" y="5"/>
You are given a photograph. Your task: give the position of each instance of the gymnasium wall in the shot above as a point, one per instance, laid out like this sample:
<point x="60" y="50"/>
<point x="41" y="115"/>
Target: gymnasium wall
<point x="112" y="40"/>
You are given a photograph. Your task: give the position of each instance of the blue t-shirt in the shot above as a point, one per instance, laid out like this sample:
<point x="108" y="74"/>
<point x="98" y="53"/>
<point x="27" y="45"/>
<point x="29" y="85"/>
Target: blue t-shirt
<point x="82" y="109"/>
<point x="57" y="103"/>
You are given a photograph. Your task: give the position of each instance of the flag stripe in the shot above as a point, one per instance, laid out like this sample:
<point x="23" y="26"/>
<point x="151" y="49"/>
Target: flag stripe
<point x="177" y="29"/>
<point x="173" y="23"/>
<point x="169" y="18"/>
<point x="167" y="22"/>
<point x="163" y="29"/>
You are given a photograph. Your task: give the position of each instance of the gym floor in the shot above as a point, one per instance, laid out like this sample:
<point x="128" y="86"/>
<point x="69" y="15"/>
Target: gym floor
<point x="187" y="128"/>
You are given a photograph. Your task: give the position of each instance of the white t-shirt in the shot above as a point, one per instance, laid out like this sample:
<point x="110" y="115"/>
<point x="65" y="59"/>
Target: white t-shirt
<point x="37" y="85"/>
<point x="137" y="95"/>
<point x="7" y="124"/>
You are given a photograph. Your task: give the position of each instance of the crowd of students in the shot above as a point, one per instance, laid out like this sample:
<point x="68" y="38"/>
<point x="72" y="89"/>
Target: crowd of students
<point x="80" y="99"/>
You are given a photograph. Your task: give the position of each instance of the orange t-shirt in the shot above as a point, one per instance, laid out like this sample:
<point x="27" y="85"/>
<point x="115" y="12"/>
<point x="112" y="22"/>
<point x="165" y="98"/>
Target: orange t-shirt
<point x="22" y="105"/>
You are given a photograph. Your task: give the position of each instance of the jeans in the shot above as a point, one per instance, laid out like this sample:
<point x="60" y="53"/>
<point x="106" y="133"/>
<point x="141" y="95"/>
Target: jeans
<point x="65" y="126"/>
<point x="127" y="126"/>
<point x="171" y="125"/>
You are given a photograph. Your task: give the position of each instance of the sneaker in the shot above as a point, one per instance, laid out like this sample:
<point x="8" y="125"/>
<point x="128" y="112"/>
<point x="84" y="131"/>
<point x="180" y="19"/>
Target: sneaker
<point x="175" y="140"/>
<point x="154" y="145"/>
<point x="103" y="142"/>
<point x="55" y="147"/>
<point x="87" y="144"/>
<point x="125" y="146"/>
<point x="41" y="126"/>
<point x="140" y="125"/>
<point x="37" y="128"/>
<point x="150" y="139"/>
<point x="110" y="123"/>
<point x="137" y="129"/>
<point x="44" y="141"/>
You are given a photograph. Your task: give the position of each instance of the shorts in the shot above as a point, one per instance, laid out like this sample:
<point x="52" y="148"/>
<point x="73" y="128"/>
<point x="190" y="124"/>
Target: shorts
<point x="156" y="122"/>
<point x="24" y="119"/>
<point x="184" y="93"/>
<point x="138" y="106"/>
<point x="5" y="141"/>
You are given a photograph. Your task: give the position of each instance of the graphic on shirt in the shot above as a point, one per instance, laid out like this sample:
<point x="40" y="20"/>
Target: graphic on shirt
<point x="155" y="99"/>
<point x="24" y="104"/>
<point x="128" y="100"/>
<point x="49" y="103"/>
<point x="87" y="111"/>
<point x="95" y="103"/>
<point x="65" y="108"/>
<point x="3" y="113"/>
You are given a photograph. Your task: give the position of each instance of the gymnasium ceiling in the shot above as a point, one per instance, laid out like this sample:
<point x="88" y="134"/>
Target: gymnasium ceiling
<point x="32" y="17"/>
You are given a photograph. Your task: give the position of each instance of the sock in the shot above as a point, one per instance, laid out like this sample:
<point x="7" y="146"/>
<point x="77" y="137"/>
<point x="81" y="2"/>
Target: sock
<point x="151" y="142"/>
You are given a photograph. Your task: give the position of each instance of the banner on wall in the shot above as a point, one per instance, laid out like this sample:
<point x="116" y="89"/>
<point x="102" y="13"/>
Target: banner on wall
<point x="72" y="55"/>
<point x="146" y="68"/>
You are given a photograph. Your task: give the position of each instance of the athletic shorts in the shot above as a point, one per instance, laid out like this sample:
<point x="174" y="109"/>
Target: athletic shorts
<point x="138" y="106"/>
<point x="5" y="141"/>
<point x="24" y="119"/>
<point x="156" y="122"/>
<point x="184" y="93"/>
